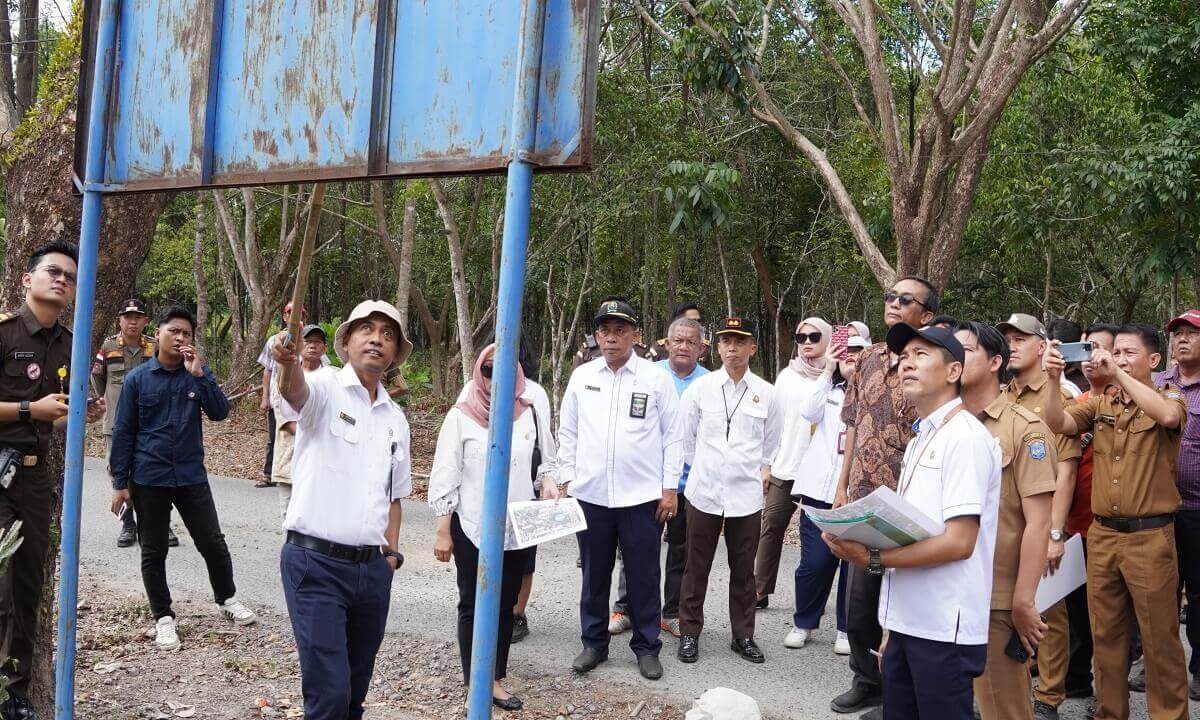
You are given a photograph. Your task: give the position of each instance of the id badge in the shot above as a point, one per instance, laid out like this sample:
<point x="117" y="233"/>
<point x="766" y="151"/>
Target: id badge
<point x="637" y="405"/>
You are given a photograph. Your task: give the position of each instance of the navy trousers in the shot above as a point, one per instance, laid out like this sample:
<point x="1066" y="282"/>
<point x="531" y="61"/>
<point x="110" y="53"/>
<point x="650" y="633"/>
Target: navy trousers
<point x="338" y="610"/>
<point x="814" y="575"/>
<point x="639" y="536"/>
<point x="930" y="680"/>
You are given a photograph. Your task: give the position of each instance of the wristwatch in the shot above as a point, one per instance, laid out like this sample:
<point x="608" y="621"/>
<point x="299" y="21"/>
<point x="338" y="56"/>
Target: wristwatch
<point x="1057" y="535"/>
<point x="875" y="566"/>
<point x="398" y="556"/>
<point x="23" y="412"/>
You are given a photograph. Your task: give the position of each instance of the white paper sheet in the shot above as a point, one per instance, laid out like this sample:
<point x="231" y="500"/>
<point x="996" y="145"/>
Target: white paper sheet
<point x="537" y="521"/>
<point x="881" y="520"/>
<point x="1070" y="574"/>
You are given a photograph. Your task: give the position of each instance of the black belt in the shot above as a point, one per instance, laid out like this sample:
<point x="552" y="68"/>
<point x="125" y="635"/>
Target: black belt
<point x="353" y="553"/>
<point x="1128" y="525"/>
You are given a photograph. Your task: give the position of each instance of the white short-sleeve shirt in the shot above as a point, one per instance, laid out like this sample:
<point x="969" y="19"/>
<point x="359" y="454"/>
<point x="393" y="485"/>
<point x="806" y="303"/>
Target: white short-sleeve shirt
<point x="351" y="461"/>
<point x="951" y="469"/>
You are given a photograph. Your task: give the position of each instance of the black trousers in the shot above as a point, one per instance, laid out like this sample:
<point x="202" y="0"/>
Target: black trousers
<point x="339" y="612"/>
<point x="199" y="514"/>
<point x="1079" y="633"/>
<point x="637" y="533"/>
<point x="29" y="499"/>
<point x="676" y="537"/>
<point x="930" y="680"/>
<point x="269" y="462"/>
<point x="466" y="564"/>
<point x="1187" y="544"/>
<point x="862" y="626"/>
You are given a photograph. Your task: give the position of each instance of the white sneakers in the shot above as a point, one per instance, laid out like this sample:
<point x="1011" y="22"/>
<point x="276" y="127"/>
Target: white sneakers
<point x="796" y="638"/>
<point x="841" y="646"/>
<point x="619" y="623"/>
<point x="165" y="637"/>
<point x="234" y="610"/>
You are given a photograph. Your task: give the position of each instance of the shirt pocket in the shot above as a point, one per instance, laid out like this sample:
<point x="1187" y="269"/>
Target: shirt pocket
<point x="712" y="420"/>
<point x="154" y="410"/>
<point x="1141" y="440"/>
<point x="755" y="421"/>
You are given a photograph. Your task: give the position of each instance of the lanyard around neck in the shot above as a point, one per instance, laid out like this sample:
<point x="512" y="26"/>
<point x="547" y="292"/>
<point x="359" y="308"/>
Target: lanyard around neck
<point x="730" y="413"/>
<point x="912" y="469"/>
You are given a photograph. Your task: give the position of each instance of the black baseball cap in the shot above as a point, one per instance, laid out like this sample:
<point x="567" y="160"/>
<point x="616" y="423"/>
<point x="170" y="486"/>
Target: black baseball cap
<point x="310" y="329"/>
<point x="615" y="309"/>
<point x="133" y="305"/>
<point x="736" y="326"/>
<point x="901" y="334"/>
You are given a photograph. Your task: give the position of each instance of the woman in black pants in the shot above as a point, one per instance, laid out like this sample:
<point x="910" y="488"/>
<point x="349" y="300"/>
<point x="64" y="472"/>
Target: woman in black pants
<point x="456" y="495"/>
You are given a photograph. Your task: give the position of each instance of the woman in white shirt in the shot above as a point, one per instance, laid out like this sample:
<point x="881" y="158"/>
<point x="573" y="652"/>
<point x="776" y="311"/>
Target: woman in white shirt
<point x="456" y="495"/>
<point x="821" y="404"/>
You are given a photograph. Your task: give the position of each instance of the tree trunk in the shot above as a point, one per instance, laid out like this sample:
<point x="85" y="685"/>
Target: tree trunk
<point x="404" y="272"/>
<point x="198" y="274"/>
<point x="27" y="55"/>
<point x="458" y="279"/>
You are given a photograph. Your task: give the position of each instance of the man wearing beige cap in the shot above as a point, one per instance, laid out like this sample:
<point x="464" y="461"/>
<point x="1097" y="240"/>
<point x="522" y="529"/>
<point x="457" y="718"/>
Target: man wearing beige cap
<point x="350" y="469"/>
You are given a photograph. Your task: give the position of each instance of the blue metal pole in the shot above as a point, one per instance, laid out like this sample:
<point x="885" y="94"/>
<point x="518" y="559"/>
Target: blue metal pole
<point x="81" y="356"/>
<point x="518" y="196"/>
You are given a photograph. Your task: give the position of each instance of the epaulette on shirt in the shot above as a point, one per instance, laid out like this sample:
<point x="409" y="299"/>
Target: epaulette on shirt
<point x="1025" y="413"/>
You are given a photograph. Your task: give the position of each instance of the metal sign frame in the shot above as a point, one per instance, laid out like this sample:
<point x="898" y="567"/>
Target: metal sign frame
<point x="521" y="156"/>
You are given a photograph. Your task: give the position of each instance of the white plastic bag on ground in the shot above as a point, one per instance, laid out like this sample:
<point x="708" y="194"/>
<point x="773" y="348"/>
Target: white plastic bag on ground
<point x="722" y="703"/>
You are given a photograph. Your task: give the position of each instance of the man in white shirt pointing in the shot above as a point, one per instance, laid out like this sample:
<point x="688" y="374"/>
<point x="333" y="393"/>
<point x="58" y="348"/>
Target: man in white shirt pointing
<point x="616" y="417"/>
<point x="728" y="429"/>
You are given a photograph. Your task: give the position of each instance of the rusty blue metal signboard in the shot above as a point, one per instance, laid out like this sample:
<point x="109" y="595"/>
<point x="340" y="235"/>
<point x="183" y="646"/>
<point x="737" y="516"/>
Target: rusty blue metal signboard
<point x="213" y="93"/>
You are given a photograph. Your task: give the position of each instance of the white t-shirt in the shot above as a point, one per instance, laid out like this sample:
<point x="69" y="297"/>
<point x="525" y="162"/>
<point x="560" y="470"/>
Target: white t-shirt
<point x="951" y="469"/>
<point x="790" y="391"/>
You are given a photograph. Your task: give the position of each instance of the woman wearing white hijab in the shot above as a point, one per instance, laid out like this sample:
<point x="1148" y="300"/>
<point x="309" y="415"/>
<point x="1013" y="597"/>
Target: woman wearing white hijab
<point x="805" y="367"/>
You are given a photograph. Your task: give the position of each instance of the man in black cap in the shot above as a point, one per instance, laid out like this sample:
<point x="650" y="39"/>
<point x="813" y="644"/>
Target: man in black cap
<point x="935" y="599"/>
<point x="119" y="355"/>
<point x="614" y="438"/>
<point x="590" y="349"/>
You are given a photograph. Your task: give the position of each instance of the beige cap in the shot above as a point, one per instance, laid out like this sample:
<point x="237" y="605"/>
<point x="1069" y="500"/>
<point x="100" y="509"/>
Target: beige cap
<point x="362" y="311"/>
<point x="1025" y="324"/>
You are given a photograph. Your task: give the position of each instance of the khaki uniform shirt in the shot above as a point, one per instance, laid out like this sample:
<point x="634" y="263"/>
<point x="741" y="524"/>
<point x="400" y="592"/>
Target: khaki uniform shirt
<point x="1028" y="467"/>
<point x="1133" y="457"/>
<point x="1033" y="397"/>
<point x="30" y="358"/>
<point x="114" y="361"/>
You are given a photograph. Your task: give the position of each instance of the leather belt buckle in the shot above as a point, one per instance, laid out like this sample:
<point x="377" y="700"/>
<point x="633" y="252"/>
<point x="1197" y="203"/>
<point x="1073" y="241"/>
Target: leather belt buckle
<point x="30" y="461"/>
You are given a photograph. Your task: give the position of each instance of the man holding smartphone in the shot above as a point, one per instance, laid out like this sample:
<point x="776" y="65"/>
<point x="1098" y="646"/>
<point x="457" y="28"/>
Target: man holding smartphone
<point x="1027" y="480"/>
<point x="157" y="462"/>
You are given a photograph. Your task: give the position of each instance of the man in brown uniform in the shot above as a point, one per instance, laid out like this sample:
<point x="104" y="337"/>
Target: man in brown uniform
<point x="1027" y="480"/>
<point x="120" y="354"/>
<point x="34" y="347"/>
<point x="1131" y="561"/>
<point x="879" y="424"/>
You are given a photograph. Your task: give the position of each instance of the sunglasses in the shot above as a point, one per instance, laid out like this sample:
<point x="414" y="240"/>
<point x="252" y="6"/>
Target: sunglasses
<point x="905" y="299"/>
<point x="854" y="350"/>
<point x="808" y="338"/>
<point x="55" y="272"/>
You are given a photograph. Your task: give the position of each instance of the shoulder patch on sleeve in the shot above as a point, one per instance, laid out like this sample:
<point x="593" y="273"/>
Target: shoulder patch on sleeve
<point x="1037" y="448"/>
<point x="1172" y="393"/>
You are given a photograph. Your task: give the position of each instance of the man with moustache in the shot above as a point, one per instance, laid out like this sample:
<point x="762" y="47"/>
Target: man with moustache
<point x="935" y="597"/>
<point x="879" y="424"/>
<point x="1027" y="482"/>
<point x="1131" y="562"/>
<point x="157" y="462"/>
<point x="35" y="346"/>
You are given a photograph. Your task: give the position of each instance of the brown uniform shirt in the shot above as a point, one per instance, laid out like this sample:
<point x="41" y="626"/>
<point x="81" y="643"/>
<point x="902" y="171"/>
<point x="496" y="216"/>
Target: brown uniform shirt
<point x="1133" y="457"/>
<point x="114" y="361"/>
<point x="30" y="358"/>
<point x="1033" y="397"/>
<point x="1028" y="459"/>
<point x="882" y="419"/>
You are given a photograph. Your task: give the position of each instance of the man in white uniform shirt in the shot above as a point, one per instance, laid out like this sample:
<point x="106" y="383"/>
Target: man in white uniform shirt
<point x="350" y="468"/>
<point x="728" y="430"/>
<point x="936" y="596"/>
<point x="616" y="418"/>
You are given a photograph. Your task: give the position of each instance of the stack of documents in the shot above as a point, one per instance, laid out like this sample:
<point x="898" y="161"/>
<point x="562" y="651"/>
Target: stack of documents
<point x="881" y="520"/>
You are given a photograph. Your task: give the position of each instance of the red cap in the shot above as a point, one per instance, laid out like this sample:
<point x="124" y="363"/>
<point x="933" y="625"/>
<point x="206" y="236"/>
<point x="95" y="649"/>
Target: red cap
<point x="1190" y="317"/>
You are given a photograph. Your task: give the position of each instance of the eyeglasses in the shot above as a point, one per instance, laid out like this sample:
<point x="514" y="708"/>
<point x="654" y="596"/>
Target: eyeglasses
<point x="55" y="272"/>
<point x="905" y="299"/>
<point x="808" y="338"/>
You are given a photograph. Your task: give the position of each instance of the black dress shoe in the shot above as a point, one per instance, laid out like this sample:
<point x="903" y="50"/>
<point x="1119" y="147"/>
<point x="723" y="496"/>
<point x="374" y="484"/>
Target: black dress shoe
<point x="689" y="649"/>
<point x="762" y="603"/>
<point x="747" y="649"/>
<point x="1044" y="711"/>
<point x="855" y="699"/>
<point x="512" y="704"/>
<point x="17" y="708"/>
<point x="649" y="667"/>
<point x="587" y="660"/>
<point x="520" y="628"/>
